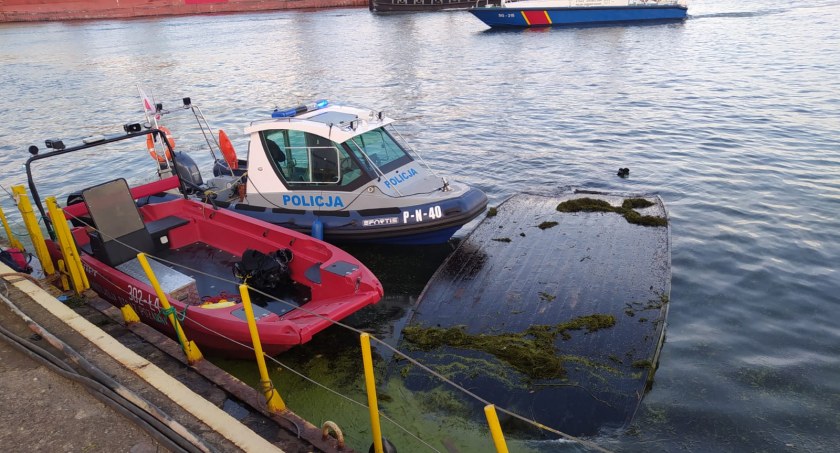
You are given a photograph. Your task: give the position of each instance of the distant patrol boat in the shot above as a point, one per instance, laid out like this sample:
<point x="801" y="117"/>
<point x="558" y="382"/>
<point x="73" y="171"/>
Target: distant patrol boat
<point x="544" y="13"/>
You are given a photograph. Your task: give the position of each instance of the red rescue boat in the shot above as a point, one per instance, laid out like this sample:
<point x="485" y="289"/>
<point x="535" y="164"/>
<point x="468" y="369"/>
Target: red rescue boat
<point x="200" y="255"/>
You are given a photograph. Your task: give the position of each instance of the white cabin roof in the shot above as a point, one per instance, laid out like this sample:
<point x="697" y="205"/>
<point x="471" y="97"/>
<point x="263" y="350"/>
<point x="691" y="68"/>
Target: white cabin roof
<point x="335" y="122"/>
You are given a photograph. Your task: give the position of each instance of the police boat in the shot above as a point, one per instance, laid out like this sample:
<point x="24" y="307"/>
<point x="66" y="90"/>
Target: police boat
<point x="340" y="173"/>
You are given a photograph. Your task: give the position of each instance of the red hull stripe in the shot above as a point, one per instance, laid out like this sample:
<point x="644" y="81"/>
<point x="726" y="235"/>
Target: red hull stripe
<point x="536" y="17"/>
<point x="201" y="2"/>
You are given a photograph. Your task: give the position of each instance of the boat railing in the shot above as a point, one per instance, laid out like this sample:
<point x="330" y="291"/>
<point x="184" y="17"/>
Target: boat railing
<point x="410" y="149"/>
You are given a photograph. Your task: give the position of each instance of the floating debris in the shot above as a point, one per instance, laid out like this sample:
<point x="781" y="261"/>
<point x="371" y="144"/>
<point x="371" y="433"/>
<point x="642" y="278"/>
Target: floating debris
<point x="546" y="225"/>
<point x="492" y="212"/>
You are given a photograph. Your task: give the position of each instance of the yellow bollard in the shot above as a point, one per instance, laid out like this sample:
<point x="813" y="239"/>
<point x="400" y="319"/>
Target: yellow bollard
<point x="72" y="261"/>
<point x="370" y="383"/>
<point x="129" y="315"/>
<point x="273" y="400"/>
<point x="62" y="271"/>
<point x="190" y="348"/>
<point x="34" y="229"/>
<point x="12" y="239"/>
<point x="495" y="429"/>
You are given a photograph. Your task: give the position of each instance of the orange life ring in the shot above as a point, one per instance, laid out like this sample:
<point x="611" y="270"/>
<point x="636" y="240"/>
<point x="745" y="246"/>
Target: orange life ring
<point x="150" y="144"/>
<point x="226" y="147"/>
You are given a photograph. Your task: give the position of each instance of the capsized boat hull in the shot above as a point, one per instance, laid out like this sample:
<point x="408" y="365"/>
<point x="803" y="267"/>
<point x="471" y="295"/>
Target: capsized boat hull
<point x="561" y="311"/>
<point x="518" y="15"/>
<point x="334" y="284"/>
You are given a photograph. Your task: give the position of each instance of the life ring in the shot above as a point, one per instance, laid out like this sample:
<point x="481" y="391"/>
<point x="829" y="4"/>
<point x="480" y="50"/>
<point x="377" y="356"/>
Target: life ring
<point x="150" y="145"/>
<point x="227" y="150"/>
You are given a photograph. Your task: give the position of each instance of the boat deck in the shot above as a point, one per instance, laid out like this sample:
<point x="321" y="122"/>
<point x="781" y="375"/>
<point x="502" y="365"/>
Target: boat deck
<point x="212" y="270"/>
<point x="593" y="285"/>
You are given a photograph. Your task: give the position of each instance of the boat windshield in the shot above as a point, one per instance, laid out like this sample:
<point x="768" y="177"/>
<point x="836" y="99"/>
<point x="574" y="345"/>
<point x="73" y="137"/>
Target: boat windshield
<point x="304" y="161"/>
<point x="380" y="147"/>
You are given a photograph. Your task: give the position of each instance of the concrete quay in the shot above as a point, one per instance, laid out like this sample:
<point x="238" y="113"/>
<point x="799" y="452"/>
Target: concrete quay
<point x="45" y="411"/>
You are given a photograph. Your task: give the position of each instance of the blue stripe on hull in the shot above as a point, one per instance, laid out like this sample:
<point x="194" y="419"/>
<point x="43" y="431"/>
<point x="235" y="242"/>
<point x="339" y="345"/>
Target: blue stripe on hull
<point x="513" y="17"/>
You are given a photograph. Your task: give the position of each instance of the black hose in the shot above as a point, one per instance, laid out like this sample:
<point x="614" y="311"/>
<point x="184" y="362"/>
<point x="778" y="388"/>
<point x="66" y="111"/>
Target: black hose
<point x="97" y="374"/>
<point x="155" y="428"/>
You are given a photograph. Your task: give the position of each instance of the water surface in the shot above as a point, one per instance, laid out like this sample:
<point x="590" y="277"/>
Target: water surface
<point x="732" y="117"/>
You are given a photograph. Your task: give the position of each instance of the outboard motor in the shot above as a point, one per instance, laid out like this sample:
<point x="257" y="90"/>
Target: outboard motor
<point x="188" y="172"/>
<point x="221" y="168"/>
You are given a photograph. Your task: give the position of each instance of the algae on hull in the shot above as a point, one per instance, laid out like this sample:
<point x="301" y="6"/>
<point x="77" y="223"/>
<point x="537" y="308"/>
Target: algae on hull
<point x="627" y="210"/>
<point x="532" y="352"/>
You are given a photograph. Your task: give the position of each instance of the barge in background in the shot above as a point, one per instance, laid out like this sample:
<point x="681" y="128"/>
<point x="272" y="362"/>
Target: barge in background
<point x="44" y="10"/>
<point x="388" y="6"/>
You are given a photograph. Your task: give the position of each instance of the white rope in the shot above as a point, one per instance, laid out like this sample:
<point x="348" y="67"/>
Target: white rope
<point x="413" y="361"/>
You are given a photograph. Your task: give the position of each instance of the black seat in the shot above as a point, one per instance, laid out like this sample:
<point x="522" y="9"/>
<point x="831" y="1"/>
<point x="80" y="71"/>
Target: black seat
<point x="120" y="233"/>
<point x="274" y="150"/>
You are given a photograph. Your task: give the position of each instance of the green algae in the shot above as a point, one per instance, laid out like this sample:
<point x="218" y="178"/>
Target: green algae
<point x="653" y="304"/>
<point x="643" y="364"/>
<point x="636" y="203"/>
<point x="547" y="297"/>
<point x="627" y="210"/>
<point x="75" y="301"/>
<point x="457" y="425"/>
<point x="532" y="352"/>
<point x="501" y="239"/>
<point x="492" y="212"/>
<point x="644" y="220"/>
<point x="546" y="225"/>
<point x="585" y="205"/>
<point x="460" y="367"/>
<point x="440" y="400"/>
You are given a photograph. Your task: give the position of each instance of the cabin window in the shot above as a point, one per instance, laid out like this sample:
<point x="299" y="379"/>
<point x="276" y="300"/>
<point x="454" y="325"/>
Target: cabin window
<point x="303" y="160"/>
<point x="381" y="148"/>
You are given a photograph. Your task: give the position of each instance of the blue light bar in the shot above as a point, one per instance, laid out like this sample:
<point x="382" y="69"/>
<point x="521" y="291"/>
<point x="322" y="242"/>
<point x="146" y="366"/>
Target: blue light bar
<point x="291" y="112"/>
<point x="283" y="113"/>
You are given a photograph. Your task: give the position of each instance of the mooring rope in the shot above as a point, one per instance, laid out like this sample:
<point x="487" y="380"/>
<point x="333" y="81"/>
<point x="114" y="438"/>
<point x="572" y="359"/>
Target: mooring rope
<point x="541" y="426"/>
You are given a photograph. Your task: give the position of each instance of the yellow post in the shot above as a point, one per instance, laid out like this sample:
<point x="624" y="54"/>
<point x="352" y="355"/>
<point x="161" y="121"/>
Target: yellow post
<point x="370" y="383"/>
<point x="495" y="429"/>
<point x="273" y="400"/>
<point x="129" y="315"/>
<point x="34" y="229"/>
<point x="190" y="348"/>
<point x="62" y="271"/>
<point x="12" y="239"/>
<point x="72" y="261"/>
